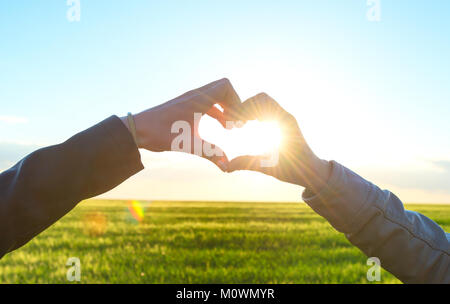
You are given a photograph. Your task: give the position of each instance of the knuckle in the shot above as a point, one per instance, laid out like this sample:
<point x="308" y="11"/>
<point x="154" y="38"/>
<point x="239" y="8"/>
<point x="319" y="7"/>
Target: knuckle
<point x="290" y="118"/>
<point x="262" y="95"/>
<point x="226" y="81"/>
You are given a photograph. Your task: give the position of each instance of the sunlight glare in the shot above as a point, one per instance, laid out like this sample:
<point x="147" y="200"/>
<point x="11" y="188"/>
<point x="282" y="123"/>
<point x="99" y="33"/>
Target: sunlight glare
<point x="254" y="138"/>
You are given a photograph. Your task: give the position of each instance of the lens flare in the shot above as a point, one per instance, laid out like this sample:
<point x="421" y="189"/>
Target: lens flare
<point x="137" y="210"/>
<point x="94" y="223"/>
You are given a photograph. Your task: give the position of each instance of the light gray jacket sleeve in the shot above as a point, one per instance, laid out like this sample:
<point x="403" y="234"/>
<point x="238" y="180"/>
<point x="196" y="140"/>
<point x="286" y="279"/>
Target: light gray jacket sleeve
<point x="409" y="245"/>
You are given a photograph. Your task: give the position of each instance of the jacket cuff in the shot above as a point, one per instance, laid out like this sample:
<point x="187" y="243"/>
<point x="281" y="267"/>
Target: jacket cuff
<point x="345" y="199"/>
<point x="122" y="146"/>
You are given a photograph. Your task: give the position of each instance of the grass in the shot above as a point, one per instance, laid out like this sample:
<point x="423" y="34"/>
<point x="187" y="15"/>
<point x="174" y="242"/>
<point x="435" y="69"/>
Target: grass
<point x="196" y="242"/>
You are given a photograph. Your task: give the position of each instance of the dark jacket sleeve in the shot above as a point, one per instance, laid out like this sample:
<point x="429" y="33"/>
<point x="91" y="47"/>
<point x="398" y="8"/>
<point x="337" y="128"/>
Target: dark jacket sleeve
<point x="48" y="183"/>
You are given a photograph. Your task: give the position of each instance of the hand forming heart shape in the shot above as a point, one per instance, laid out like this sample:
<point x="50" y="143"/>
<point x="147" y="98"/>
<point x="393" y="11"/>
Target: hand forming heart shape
<point x="174" y="126"/>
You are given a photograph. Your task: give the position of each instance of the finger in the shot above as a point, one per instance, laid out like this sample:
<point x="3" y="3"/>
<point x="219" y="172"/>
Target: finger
<point x="214" y="154"/>
<point x="230" y="101"/>
<point x="264" y="107"/>
<point x="246" y="162"/>
<point x="218" y="115"/>
<point x="261" y="107"/>
<point x="218" y="92"/>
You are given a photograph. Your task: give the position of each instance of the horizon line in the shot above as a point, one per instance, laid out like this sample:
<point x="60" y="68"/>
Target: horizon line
<point x="236" y="201"/>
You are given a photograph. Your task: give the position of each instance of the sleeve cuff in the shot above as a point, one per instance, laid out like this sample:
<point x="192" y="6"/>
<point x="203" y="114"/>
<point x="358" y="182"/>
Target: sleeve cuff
<point x="114" y="156"/>
<point x="122" y="140"/>
<point x="344" y="200"/>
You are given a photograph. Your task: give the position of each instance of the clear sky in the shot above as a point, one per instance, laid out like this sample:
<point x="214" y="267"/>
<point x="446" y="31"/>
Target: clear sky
<point x="374" y="96"/>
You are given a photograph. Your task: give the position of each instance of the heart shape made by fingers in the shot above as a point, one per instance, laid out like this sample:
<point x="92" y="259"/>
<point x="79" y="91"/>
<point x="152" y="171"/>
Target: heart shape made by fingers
<point x="253" y="138"/>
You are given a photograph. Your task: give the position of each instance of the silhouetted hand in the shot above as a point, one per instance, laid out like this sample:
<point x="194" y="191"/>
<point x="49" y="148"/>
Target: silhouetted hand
<point x="158" y="127"/>
<point x="296" y="163"/>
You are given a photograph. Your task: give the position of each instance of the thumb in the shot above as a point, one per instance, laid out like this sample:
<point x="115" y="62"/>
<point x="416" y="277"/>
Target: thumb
<point x="246" y="162"/>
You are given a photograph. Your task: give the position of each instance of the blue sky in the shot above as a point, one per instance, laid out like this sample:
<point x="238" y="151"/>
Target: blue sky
<point x="374" y="96"/>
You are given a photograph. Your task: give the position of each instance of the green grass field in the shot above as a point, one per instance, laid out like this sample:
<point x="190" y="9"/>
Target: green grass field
<point x="196" y="242"/>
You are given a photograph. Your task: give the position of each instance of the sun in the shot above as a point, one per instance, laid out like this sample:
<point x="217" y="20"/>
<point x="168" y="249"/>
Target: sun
<point x="254" y="138"/>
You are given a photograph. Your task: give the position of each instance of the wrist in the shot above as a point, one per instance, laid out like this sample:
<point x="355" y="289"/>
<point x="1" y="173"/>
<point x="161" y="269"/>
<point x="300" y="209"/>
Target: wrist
<point x="133" y="130"/>
<point x="149" y="132"/>
<point x="320" y="173"/>
<point x="313" y="172"/>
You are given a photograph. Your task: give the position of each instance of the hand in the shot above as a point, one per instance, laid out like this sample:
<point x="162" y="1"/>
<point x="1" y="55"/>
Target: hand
<point x="154" y="126"/>
<point x="296" y="163"/>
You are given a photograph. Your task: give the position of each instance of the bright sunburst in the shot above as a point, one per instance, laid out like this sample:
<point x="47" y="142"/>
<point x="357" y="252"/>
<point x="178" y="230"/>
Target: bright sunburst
<point x="255" y="138"/>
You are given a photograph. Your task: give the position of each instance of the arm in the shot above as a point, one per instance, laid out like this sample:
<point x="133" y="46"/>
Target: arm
<point x="50" y="182"/>
<point x="408" y="244"/>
